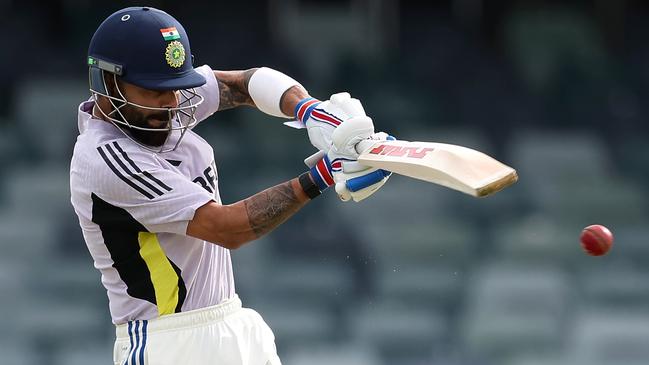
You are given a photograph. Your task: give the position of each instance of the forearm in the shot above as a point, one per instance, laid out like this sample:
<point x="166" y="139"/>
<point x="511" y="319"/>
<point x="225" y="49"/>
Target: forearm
<point x="236" y="224"/>
<point x="270" y="208"/>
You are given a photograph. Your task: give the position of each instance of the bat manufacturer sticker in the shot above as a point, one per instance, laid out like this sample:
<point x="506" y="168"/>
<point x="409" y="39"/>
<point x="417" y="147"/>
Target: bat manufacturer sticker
<point x="410" y="152"/>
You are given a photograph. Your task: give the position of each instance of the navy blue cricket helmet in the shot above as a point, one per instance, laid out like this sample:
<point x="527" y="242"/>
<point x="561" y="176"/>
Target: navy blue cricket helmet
<point x="146" y="47"/>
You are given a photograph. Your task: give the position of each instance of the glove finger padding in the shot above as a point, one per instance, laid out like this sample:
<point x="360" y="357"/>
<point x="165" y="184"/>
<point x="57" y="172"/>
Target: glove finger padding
<point x="355" y="181"/>
<point x="343" y="193"/>
<point x="340" y="98"/>
<point x="358" y="189"/>
<point x="348" y="134"/>
<point x="351" y="106"/>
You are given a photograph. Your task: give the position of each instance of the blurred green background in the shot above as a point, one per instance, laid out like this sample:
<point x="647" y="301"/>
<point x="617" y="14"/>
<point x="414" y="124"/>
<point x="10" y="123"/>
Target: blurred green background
<point x="417" y="274"/>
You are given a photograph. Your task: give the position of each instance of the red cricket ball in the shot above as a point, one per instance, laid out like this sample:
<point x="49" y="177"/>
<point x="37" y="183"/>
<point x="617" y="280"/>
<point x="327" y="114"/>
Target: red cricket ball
<point x="596" y="240"/>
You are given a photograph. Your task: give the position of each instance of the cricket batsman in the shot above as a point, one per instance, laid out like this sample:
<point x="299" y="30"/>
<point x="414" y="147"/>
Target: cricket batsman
<point x="145" y="188"/>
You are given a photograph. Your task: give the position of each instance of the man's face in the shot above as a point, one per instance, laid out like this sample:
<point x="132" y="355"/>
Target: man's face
<point x="155" y="119"/>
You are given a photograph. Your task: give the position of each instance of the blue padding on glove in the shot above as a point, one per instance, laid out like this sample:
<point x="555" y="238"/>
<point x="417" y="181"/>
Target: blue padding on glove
<point x="364" y="181"/>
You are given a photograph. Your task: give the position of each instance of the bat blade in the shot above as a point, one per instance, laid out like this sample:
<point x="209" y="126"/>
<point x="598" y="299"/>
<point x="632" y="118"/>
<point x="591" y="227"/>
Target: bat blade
<point x="460" y="168"/>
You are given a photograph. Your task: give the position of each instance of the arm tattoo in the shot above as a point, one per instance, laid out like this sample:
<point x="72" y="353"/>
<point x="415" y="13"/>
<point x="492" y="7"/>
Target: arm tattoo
<point x="271" y="207"/>
<point x="233" y="88"/>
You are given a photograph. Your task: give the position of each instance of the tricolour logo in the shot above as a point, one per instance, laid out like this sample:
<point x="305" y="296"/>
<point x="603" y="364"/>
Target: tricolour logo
<point x="169" y="34"/>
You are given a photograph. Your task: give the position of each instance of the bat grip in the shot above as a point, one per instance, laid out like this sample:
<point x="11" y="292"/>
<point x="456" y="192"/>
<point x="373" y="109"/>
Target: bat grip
<point x="364" y="145"/>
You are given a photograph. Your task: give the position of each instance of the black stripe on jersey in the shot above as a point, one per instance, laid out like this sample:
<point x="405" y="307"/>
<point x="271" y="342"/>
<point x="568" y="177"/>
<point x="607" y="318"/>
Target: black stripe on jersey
<point x="121" y="176"/>
<point x="121" y="237"/>
<point x="136" y="176"/>
<point x="146" y="173"/>
<point x="182" y="290"/>
<point x="120" y="232"/>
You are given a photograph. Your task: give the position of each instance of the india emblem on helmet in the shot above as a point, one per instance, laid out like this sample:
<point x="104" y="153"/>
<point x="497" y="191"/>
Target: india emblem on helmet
<point x="175" y="54"/>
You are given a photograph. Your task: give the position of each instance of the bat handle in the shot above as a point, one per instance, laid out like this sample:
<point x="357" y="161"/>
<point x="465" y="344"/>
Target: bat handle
<point x="365" y="145"/>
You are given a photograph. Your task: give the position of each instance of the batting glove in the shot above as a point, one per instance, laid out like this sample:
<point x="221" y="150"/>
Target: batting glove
<point x="352" y="180"/>
<point x="322" y="118"/>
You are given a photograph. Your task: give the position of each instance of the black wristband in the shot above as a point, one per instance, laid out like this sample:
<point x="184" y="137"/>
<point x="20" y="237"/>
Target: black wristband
<point x="310" y="188"/>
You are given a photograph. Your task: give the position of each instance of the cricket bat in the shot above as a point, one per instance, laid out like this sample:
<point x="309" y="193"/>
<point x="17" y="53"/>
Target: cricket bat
<point x="455" y="167"/>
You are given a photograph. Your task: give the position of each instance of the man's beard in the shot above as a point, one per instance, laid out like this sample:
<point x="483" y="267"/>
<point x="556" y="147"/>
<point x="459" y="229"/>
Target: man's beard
<point x="149" y="138"/>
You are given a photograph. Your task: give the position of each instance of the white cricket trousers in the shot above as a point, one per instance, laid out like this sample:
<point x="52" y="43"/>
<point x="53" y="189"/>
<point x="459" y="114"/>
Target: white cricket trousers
<point x="225" y="334"/>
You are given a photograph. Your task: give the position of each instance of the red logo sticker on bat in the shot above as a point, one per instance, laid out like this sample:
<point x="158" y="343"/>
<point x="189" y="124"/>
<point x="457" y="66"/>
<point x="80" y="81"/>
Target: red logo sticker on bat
<point x="411" y="152"/>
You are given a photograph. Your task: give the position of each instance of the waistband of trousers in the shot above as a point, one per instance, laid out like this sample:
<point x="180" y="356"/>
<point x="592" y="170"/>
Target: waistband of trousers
<point x="182" y="319"/>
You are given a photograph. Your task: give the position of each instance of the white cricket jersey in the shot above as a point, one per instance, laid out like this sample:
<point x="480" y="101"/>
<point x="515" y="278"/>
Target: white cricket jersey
<point x="134" y="206"/>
